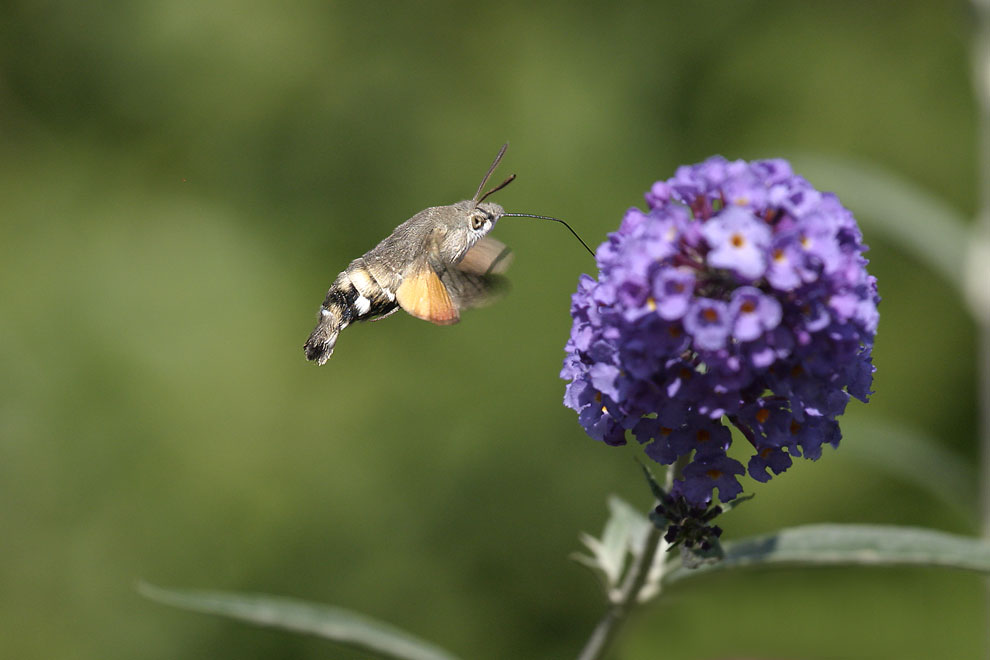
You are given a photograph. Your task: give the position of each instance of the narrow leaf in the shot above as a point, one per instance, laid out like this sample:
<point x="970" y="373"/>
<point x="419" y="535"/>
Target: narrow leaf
<point x="729" y="506"/>
<point x="633" y="524"/>
<point x="324" y="621"/>
<point x="658" y="492"/>
<point x="849" y="545"/>
<point x="623" y="535"/>
<point x="920" y="222"/>
<point x="693" y="558"/>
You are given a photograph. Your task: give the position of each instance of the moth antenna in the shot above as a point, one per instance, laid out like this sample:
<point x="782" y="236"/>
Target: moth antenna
<point x="501" y="152"/>
<point x="508" y="180"/>
<point x="546" y="217"/>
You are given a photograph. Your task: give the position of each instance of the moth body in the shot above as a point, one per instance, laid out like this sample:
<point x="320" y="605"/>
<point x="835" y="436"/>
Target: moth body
<point x="432" y="265"/>
<point x="354" y="296"/>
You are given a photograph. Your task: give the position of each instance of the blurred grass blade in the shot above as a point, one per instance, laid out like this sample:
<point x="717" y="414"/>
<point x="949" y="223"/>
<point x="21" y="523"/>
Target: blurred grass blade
<point x="849" y="545"/>
<point x="915" y="456"/>
<point x="324" y="621"/>
<point x="919" y="222"/>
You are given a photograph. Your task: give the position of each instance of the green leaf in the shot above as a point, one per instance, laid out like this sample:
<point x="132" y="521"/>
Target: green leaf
<point x="324" y="621"/>
<point x="920" y="222"/>
<point x="849" y="545"/>
<point x="623" y="535"/>
<point x="697" y="557"/>
<point x="658" y="492"/>
<point x="729" y="506"/>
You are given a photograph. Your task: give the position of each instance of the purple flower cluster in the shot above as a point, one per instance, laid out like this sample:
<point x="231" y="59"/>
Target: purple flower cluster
<point x="740" y="297"/>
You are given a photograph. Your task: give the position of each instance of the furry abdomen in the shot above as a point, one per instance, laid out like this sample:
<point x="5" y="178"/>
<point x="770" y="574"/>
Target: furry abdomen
<point x="355" y="295"/>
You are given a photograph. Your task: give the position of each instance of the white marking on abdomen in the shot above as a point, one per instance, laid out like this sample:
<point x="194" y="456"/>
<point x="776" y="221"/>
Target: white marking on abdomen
<point x="362" y="305"/>
<point x="361" y="281"/>
<point x="325" y="312"/>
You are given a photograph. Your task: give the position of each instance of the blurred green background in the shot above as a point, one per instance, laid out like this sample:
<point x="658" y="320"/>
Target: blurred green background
<point x="180" y="183"/>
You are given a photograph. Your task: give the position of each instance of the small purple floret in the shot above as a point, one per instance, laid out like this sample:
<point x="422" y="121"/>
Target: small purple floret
<point x="738" y="242"/>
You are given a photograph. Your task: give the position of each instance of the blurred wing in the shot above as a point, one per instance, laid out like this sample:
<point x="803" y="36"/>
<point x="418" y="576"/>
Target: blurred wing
<point x="486" y="257"/>
<point x="469" y="290"/>
<point x="423" y="295"/>
<point x="434" y="292"/>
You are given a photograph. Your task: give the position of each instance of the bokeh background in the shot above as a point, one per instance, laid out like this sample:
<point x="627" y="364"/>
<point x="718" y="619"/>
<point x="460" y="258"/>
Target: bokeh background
<point x="181" y="181"/>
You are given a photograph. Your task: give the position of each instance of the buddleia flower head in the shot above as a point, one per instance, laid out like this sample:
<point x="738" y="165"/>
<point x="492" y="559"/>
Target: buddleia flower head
<point x="738" y="298"/>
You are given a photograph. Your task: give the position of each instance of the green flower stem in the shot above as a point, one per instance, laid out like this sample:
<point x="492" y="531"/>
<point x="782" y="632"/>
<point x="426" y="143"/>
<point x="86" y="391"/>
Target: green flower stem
<point x="646" y="565"/>
<point x="608" y="627"/>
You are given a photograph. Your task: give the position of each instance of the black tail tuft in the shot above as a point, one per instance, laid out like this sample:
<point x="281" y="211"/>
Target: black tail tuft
<point x="318" y="352"/>
<point x="319" y="346"/>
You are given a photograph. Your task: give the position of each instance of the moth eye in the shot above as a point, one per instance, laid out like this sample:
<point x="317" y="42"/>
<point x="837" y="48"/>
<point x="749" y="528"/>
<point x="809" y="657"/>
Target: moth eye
<point x="477" y="222"/>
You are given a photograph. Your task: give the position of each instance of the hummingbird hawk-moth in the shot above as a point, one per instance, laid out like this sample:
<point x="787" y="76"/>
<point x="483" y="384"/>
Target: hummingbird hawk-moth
<point x="435" y="264"/>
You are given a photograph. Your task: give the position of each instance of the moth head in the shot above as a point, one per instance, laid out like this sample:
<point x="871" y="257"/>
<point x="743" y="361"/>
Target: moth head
<point x="482" y="217"/>
<point x="462" y="225"/>
<point x="467" y="222"/>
